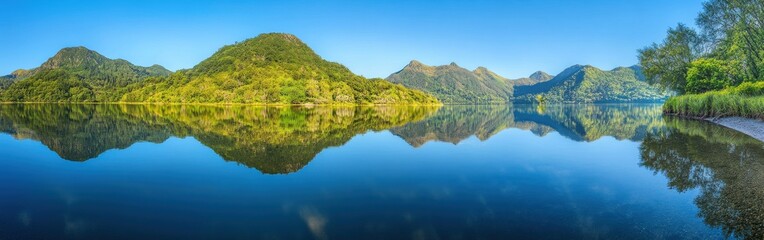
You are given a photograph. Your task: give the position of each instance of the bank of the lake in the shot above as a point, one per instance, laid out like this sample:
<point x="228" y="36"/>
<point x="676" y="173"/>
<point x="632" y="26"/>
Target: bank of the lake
<point x="740" y="108"/>
<point x="748" y="126"/>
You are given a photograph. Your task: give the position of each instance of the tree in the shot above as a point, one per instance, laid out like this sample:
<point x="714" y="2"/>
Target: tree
<point x="735" y="28"/>
<point x="667" y="63"/>
<point x="707" y="74"/>
<point x="540" y="99"/>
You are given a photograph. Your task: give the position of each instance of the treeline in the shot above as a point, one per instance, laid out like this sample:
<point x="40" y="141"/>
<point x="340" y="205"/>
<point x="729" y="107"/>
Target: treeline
<point x="725" y="50"/>
<point x="269" y="69"/>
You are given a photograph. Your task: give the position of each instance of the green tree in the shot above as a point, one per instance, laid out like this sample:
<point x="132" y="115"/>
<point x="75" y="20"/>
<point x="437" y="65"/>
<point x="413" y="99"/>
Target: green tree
<point x="735" y="28"/>
<point x="707" y="74"/>
<point x="667" y="63"/>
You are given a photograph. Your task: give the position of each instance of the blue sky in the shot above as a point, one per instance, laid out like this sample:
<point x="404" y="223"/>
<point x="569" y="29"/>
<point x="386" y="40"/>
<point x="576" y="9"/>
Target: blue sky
<point x="372" y="38"/>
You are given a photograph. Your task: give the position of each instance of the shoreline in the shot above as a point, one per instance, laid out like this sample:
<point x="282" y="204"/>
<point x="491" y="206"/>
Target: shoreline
<point x="748" y="126"/>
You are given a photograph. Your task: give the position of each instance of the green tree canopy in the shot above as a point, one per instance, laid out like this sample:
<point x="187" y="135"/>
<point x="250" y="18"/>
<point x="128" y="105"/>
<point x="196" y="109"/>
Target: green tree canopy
<point x="707" y="74"/>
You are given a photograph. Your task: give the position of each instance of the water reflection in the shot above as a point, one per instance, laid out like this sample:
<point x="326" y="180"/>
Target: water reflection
<point x="726" y="166"/>
<point x="272" y="140"/>
<point x="284" y="139"/>
<point x="576" y="122"/>
<point x="568" y="179"/>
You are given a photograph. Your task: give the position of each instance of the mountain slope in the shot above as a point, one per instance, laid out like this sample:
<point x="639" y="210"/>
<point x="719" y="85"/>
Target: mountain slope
<point x="75" y="74"/>
<point x="271" y="68"/>
<point x="453" y="84"/>
<point x="534" y="78"/>
<point x="587" y="84"/>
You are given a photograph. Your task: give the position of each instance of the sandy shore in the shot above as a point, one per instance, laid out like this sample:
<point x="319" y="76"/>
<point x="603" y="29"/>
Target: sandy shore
<point x="751" y="127"/>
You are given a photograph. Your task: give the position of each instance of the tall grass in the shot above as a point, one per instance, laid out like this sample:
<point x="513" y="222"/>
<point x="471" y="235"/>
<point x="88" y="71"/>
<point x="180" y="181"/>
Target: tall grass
<point x="745" y="100"/>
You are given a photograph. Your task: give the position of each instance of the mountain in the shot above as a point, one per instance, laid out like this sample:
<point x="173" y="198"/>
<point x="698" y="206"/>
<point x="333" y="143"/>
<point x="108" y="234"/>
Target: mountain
<point x="534" y="78"/>
<point x="271" y="68"/>
<point x="454" y="84"/>
<point x="75" y="74"/>
<point x="579" y="84"/>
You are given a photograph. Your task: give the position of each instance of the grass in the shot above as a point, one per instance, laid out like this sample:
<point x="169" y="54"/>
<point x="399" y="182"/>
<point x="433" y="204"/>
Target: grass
<point x="745" y="100"/>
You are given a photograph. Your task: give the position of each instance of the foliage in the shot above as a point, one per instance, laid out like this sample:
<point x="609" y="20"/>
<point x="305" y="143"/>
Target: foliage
<point x="735" y="30"/>
<point x="455" y="85"/>
<point x="587" y="84"/>
<point x="667" y="63"/>
<point x="540" y="99"/>
<point x="745" y="100"/>
<point x="271" y="69"/>
<point x="76" y="75"/>
<point x="731" y="40"/>
<point x="707" y="74"/>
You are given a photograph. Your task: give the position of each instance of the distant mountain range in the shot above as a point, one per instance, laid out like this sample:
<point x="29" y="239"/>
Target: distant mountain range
<point x="272" y="68"/>
<point x="278" y="68"/>
<point x="576" y="84"/>
<point x="75" y="74"/>
<point x="537" y="77"/>
<point x="454" y="84"/>
<point x="587" y="84"/>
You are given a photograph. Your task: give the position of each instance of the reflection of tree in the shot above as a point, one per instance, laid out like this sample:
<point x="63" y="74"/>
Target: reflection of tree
<point x="456" y="123"/>
<point x="577" y="122"/>
<point x="592" y="122"/>
<point x="271" y="139"/>
<point x="80" y="132"/>
<point x="726" y="166"/>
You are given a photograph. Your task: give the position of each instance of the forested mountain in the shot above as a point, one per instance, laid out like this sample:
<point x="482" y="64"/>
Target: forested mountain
<point x="536" y="77"/>
<point x="271" y="68"/>
<point x="75" y="74"/>
<point x="587" y="84"/>
<point x="454" y="84"/>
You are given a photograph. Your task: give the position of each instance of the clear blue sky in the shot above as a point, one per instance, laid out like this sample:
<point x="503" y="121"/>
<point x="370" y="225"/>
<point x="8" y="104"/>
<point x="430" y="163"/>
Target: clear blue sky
<point x="372" y="38"/>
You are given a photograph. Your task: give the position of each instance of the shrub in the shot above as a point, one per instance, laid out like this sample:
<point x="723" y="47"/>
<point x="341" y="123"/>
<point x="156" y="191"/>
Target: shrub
<point x="706" y="74"/>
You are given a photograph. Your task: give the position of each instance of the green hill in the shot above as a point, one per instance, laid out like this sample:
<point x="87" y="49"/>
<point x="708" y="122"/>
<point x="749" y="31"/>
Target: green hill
<point x="271" y="68"/>
<point x="537" y="77"/>
<point x="453" y="84"/>
<point x="75" y="74"/>
<point x="587" y="84"/>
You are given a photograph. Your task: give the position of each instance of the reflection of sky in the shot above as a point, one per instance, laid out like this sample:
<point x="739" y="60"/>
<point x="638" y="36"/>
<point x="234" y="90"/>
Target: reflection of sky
<point x="374" y="184"/>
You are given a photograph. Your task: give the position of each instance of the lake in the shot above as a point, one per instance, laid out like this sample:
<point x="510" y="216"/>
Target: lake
<point x="455" y="172"/>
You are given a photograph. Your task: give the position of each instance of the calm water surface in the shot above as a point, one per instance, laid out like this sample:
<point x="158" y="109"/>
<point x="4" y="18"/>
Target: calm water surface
<point x="456" y="172"/>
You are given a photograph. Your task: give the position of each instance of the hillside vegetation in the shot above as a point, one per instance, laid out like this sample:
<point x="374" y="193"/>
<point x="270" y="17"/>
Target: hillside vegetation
<point x="453" y="84"/>
<point x="587" y="84"/>
<point x="271" y="68"/>
<point x="75" y="74"/>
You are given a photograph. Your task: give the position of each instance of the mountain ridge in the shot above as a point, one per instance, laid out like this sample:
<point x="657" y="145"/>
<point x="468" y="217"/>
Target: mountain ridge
<point x="453" y="84"/>
<point x="272" y="68"/>
<point x="588" y="84"/>
<point x="74" y="74"/>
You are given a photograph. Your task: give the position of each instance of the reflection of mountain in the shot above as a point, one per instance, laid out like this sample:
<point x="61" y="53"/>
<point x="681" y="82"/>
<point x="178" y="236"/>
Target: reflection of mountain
<point x="272" y="140"/>
<point x="726" y="166"/>
<point x="577" y="122"/>
<point x="592" y="122"/>
<point x="456" y="123"/>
